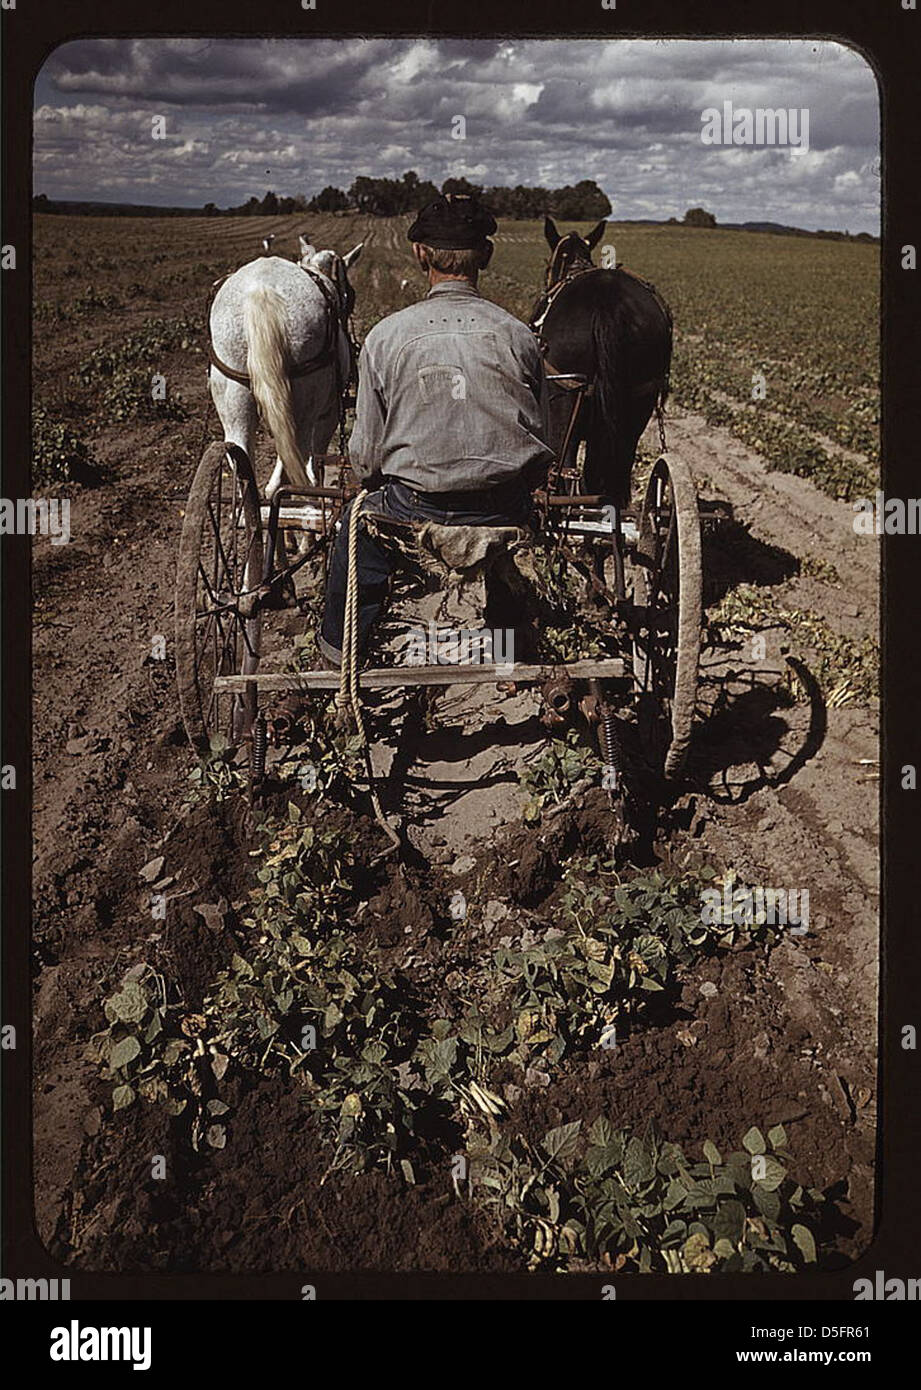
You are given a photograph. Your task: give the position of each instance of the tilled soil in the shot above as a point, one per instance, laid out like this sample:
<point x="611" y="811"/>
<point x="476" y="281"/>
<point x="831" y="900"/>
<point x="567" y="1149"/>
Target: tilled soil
<point x="787" y="1036"/>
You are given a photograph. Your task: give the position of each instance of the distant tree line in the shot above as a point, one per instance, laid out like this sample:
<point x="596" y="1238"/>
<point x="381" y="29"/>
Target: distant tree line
<point x="582" y="202"/>
<point x="399" y="197"/>
<point x="395" y="197"/>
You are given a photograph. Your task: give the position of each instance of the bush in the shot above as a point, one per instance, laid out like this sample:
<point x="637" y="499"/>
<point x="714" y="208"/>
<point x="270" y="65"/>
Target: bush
<point x="59" y="455"/>
<point x="699" y="217"/>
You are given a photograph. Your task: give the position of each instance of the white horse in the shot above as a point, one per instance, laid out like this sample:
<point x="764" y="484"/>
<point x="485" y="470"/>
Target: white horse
<point x="280" y="340"/>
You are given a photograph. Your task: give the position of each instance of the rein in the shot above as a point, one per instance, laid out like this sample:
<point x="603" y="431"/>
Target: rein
<point x="551" y="294"/>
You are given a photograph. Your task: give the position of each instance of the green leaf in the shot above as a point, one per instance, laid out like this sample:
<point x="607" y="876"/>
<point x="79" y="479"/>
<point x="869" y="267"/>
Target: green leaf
<point x="805" y="1243"/>
<point x="712" y="1154"/>
<point x="777" y="1137"/>
<point x="754" y="1141"/>
<point x="561" y="1143"/>
<point x="128" y="1005"/>
<point x="601" y="1132"/>
<point x="774" y="1174"/>
<point x="639" y="1163"/>
<point x="154" y="1027"/>
<point x="767" y="1202"/>
<point x="124" y="1052"/>
<point x="122" y="1096"/>
<point x="173" y="1050"/>
<point x="670" y="1161"/>
<point x="675" y="1233"/>
<point x="729" y="1222"/>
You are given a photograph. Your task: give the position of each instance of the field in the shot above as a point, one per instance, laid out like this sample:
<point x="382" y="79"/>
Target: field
<point x="466" y="1109"/>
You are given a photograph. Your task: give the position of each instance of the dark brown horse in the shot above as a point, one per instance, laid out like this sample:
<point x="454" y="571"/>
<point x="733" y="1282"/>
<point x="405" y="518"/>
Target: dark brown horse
<point x="613" y="328"/>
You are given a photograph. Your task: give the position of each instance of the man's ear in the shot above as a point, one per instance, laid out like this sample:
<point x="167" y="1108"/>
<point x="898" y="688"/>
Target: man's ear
<point x="419" y="254"/>
<point x="596" y="234"/>
<point x="550" y="232"/>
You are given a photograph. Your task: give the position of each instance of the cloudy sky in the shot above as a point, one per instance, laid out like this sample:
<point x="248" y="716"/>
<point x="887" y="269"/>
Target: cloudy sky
<point x="246" y="115"/>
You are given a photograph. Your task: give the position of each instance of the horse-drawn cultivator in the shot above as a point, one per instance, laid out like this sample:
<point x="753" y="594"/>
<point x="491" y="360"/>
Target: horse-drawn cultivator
<point x="640" y="572"/>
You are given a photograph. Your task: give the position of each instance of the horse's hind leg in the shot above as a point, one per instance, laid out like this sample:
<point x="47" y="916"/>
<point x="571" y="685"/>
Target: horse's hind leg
<point x="316" y="416"/>
<point x="303" y="406"/>
<point x="236" y="410"/>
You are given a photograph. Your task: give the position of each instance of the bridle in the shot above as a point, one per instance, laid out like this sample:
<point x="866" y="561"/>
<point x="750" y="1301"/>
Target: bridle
<point x="579" y="261"/>
<point x="558" y="276"/>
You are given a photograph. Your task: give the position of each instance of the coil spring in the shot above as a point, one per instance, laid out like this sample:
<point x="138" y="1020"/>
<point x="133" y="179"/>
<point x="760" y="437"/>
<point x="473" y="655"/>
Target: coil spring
<point x="610" y="743"/>
<point x="258" y="749"/>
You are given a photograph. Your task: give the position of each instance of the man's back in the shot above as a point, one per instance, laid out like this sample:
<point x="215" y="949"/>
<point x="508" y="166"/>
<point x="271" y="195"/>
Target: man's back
<point x="451" y="395"/>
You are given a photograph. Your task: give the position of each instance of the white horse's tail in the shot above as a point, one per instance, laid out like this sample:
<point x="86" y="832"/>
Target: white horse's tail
<point x="267" y="361"/>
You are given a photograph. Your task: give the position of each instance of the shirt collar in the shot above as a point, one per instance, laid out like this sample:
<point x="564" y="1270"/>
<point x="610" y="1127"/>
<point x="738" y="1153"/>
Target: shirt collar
<point x="453" y="287"/>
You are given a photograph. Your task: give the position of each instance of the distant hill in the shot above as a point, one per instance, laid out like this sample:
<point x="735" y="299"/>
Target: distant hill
<point x="779" y="229"/>
<point x="772" y="228"/>
<point x="81" y="209"/>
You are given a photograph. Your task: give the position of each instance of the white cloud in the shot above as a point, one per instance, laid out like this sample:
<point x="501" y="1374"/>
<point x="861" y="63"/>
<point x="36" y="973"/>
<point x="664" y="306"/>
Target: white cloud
<point x="244" y="115"/>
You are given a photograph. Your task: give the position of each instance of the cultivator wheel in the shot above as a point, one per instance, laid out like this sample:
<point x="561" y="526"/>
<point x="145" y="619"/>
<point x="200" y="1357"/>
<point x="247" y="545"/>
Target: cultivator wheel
<point x="218" y="613"/>
<point x="668" y="601"/>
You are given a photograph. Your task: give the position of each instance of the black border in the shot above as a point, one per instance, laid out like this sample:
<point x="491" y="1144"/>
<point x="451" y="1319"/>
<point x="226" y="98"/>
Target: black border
<point x="886" y="36"/>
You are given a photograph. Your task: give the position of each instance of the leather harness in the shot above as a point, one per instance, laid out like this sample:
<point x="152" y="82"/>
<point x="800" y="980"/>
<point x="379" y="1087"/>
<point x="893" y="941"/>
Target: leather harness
<point x="327" y="354"/>
<point x="572" y="381"/>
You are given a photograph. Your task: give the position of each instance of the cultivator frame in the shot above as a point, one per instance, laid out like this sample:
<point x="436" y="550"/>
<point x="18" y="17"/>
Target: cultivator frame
<point x="224" y="588"/>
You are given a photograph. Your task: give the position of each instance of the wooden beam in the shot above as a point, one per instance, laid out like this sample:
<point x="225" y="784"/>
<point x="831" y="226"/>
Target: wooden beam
<point x="393" y="677"/>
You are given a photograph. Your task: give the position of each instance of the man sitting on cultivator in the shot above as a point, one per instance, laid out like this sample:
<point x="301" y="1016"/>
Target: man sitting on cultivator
<point x="451" y="413"/>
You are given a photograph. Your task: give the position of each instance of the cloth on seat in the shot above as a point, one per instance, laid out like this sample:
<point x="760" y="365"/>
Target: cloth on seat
<point x="466" y="561"/>
<point x="466" y="548"/>
<point x="460" y="552"/>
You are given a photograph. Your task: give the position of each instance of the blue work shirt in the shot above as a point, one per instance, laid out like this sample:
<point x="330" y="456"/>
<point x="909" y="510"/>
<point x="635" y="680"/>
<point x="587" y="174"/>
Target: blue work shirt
<point x="451" y="395"/>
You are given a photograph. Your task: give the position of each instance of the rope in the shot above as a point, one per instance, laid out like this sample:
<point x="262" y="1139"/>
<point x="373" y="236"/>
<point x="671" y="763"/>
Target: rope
<point x="348" y="695"/>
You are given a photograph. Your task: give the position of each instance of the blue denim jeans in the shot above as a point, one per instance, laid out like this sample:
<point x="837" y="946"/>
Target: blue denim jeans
<point x="506" y="505"/>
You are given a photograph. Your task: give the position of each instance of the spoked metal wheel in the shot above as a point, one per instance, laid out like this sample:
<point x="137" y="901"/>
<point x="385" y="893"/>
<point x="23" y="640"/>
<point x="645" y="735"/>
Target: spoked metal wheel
<point x="218" y="616"/>
<point x="668" y="602"/>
